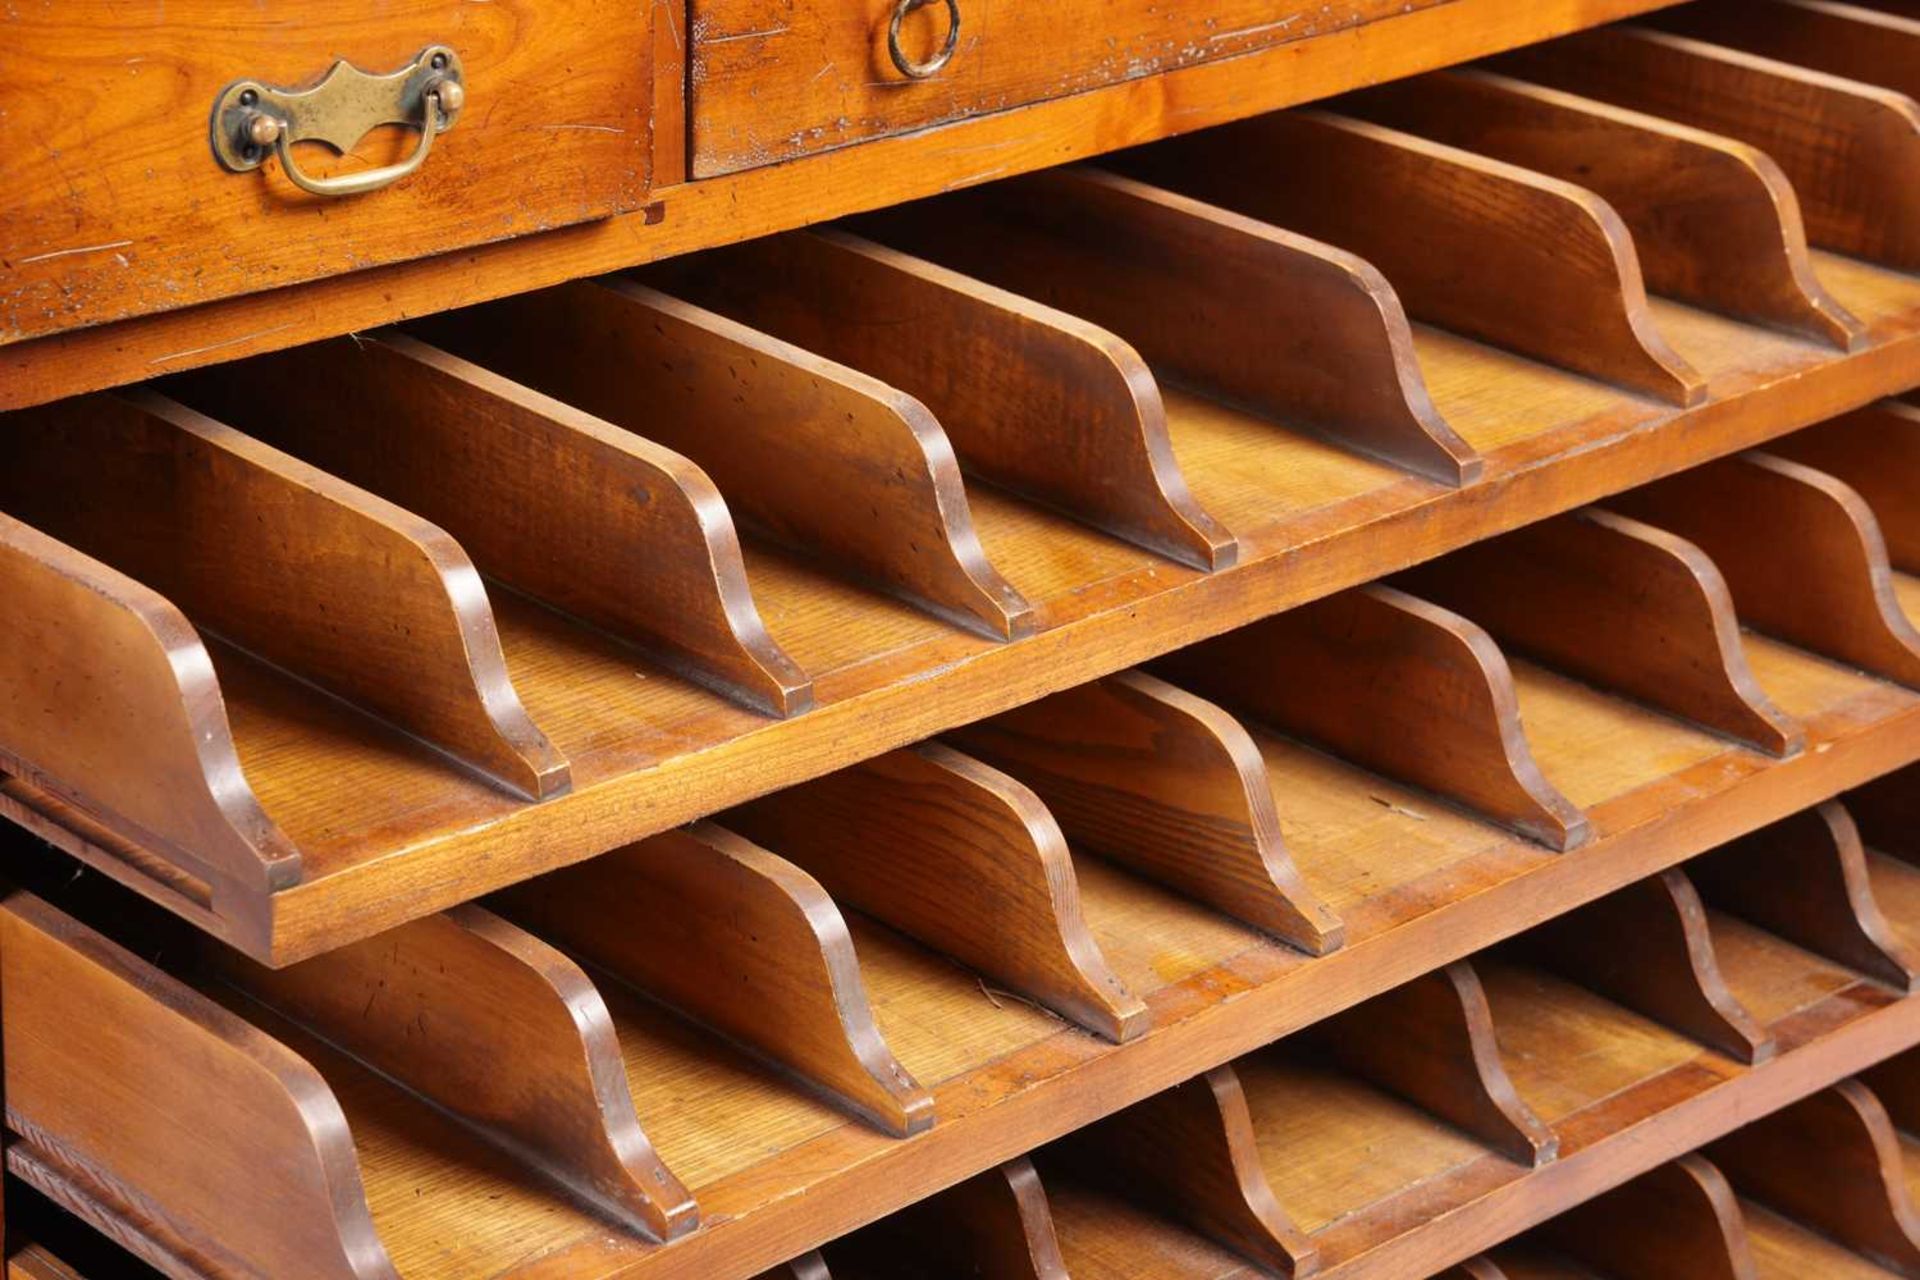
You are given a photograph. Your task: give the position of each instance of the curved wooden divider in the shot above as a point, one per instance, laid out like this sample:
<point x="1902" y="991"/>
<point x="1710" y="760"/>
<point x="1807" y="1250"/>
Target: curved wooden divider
<point x="1316" y="337"/>
<point x="1189" y="1153"/>
<point x="499" y="1029"/>
<point x="1833" y="1162"/>
<point x="1805" y="879"/>
<point x="809" y="1266"/>
<point x="1431" y="1042"/>
<point x="1714" y="221"/>
<point x="1851" y="150"/>
<point x="740" y="940"/>
<point x="962" y="857"/>
<point x="594" y="521"/>
<point x="1878" y="48"/>
<point x="1514" y="258"/>
<point x="1668" y="974"/>
<point x="176" y="788"/>
<point x="1619" y="604"/>
<point x="1875" y="451"/>
<point x="1681" y="1221"/>
<point x="825" y="458"/>
<point x="1032" y="398"/>
<point x="277" y="1194"/>
<point x="307" y="571"/>
<point x="1395" y="685"/>
<point x="995" y="1224"/>
<point x="1168" y="784"/>
<point x="1814" y="572"/>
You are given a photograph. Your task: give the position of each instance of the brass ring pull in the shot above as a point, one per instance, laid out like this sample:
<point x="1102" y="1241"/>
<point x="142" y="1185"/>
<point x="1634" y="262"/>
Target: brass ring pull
<point x="934" y="65"/>
<point x="253" y="120"/>
<point x="354" y="184"/>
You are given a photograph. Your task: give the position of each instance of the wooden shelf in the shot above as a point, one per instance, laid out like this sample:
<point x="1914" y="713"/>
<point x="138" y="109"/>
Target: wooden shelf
<point x="670" y="542"/>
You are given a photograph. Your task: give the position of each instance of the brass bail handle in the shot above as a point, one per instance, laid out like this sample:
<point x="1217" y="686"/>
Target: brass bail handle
<point x="252" y="120"/>
<point x="932" y="66"/>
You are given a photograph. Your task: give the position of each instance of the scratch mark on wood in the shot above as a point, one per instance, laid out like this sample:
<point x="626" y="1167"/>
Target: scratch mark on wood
<point x="216" y="346"/>
<point x="1281" y="25"/>
<point x="744" y="35"/>
<point x="85" y="248"/>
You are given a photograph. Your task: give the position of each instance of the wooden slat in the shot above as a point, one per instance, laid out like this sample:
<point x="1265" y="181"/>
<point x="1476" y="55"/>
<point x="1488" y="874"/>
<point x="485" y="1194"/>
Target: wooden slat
<point x="742" y="941"/>
<point x="1172" y="786"/>
<point x="825" y="458"/>
<point x="499" y="1029"/>
<point x="307" y="571"/>
<point x="1805" y="879"/>
<point x="995" y="1224"/>
<point x="1812" y="570"/>
<point x="1669" y="974"/>
<point x="227" y="1149"/>
<point x="1851" y="150"/>
<point x="1254" y="314"/>
<point x="1620" y="604"/>
<point x="1032" y="398"/>
<point x="1875" y="451"/>
<point x="1682" y="1221"/>
<point x="1189" y="1153"/>
<point x="1714" y="220"/>
<point x="1524" y="261"/>
<point x="1833" y="1162"/>
<point x="598" y="523"/>
<point x="962" y="857"/>
<point x="1877" y="47"/>
<point x="1431" y="1041"/>
<point x="1398" y="686"/>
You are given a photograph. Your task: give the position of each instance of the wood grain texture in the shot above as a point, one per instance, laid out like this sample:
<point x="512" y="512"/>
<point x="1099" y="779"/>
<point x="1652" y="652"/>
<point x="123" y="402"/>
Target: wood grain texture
<point x="223" y="1151"/>
<point x="99" y="668"/>
<point x="311" y="573"/>
<point x="1681" y="1221"/>
<point x="962" y="857"/>
<point x="499" y="1029"/>
<point x="1805" y="879"/>
<point x="597" y="522"/>
<point x="1189" y="1154"/>
<point x="1876" y="452"/>
<point x="1487" y="249"/>
<point x="1034" y="399"/>
<point x="1252" y="313"/>
<point x="766" y="92"/>
<point x="1395" y="685"/>
<point x="743" y="941"/>
<point x="555" y="131"/>
<point x="839" y="464"/>
<point x="1714" y="220"/>
<point x="1876" y="47"/>
<point x="1833" y="1162"/>
<point x="994" y="1224"/>
<point x="1815" y="572"/>
<point x="1619" y="604"/>
<point x="1851" y="150"/>
<point x="1431" y="1041"/>
<point x="1669" y="974"/>
<point x="1168" y="784"/>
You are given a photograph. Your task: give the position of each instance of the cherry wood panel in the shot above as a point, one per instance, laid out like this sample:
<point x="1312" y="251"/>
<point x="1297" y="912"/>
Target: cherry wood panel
<point x="995" y="1224"/>
<point x="962" y="857"/>
<point x="1876" y="452"/>
<point x="741" y="940"/>
<point x="1037" y="400"/>
<point x="1382" y="679"/>
<point x="1152" y="266"/>
<point x="1851" y="150"/>
<point x="1497" y="252"/>
<point x="1681" y="1221"/>
<point x="1714" y="220"/>
<point x="597" y="522"/>
<point x="840" y="463"/>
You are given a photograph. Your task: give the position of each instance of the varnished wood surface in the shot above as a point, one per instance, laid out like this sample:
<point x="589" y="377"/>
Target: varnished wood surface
<point x="777" y="197"/>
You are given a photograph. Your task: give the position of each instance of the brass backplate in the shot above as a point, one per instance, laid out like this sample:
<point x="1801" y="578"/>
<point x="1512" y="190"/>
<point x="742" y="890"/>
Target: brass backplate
<point x="344" y="106"/>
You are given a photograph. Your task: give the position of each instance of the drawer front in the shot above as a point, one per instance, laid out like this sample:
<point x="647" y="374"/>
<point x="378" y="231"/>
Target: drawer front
<point x="115" y="204"/>
<point x="772" y="81"/>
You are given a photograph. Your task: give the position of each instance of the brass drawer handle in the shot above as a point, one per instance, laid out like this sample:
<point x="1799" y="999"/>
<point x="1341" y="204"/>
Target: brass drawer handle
<point x="932" y="66"/>
<point x="251" y="119"/>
